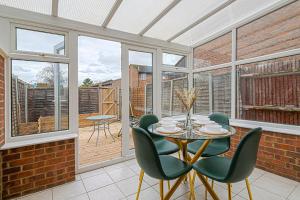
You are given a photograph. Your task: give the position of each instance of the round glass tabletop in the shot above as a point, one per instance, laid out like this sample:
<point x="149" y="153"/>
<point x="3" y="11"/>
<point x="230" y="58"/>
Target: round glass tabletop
<point x="194" y="134"/>
<point x="100" y="117"/>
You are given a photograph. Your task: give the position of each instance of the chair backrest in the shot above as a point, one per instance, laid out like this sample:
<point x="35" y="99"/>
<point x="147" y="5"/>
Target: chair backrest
<point x="147" y="120"/>
<point x="244" y="159"/>
<point x="221" y="119"/>
<point x="146" y="153"/>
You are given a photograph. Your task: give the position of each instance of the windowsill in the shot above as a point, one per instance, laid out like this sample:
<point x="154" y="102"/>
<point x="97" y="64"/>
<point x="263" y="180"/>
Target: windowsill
<point x="277" y="128"/>
<point x="17" y="144"/>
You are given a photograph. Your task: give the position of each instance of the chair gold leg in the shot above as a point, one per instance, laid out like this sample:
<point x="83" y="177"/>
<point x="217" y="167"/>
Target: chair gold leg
<point x="192" y="191"/>
<point x="174" y="187"/>
<point x="140" y="184"/>
<point x="207" y="186"/>
<point x="161" y="189"/>
<point x="249" y="189"/>
<point x="205" y="196"/>
<point x="169" y="185"/>
<point x="212" y="184"/>
<point x="229" y="191"/>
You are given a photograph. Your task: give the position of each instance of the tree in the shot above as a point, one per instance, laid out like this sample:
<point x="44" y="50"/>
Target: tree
<point x="46" y="75"/>
<point x="87" y="83"/>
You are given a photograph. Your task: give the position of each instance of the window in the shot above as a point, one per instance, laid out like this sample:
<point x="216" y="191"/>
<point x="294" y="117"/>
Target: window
<point x="275" y="32"/>
<point x="214" y="91"/>
<point x="39" y="42"/>
<point x="217" y="51"/>
<point x="172" y="81"/>
<point x="39" y="97"/>
<point x="269" y="91"/>
<point x="174" y="60"/>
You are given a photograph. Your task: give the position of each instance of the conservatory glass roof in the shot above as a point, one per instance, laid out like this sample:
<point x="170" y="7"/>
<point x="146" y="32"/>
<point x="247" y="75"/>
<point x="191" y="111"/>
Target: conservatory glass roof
<point x="180" y="21"/>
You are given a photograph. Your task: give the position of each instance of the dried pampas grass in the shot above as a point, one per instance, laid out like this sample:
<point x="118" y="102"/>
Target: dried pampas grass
<point x="187" y="97"/>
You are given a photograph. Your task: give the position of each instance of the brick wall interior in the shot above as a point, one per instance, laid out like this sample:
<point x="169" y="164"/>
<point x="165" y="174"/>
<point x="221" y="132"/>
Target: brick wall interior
<point x="278" y="153"/>
<point x="37" y="167"/>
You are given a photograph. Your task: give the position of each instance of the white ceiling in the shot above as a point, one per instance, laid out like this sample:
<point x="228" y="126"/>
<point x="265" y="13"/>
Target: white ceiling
<point x="180" y="21"/>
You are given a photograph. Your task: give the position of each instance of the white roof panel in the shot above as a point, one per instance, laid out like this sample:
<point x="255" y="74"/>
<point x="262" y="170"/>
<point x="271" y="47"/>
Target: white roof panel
<point x="39" y="6"/>
<point x="134" y="15"/>
<point x="91" y="11"/>
<point x="181" y="16"/>
<point x="235" y="12"/>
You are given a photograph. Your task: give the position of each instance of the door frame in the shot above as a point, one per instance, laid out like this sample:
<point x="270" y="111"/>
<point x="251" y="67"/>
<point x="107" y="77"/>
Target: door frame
<point x="125" y="48"/>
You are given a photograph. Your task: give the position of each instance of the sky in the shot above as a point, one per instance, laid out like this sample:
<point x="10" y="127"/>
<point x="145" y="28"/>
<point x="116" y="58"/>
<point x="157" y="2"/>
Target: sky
<point x="98" y="59"/>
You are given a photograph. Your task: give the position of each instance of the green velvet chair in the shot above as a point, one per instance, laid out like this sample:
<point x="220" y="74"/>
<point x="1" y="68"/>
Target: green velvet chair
<point x="233" y="170"/>
<point x="217" y="146"/>
<point x="164" y="147"/>
<point x="162" y="167"/>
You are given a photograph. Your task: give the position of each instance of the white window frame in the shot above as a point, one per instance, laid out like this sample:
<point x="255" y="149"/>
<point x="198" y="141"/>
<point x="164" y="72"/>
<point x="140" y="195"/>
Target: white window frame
<point x="17" y="141"/>
<point x="267" y="126"/>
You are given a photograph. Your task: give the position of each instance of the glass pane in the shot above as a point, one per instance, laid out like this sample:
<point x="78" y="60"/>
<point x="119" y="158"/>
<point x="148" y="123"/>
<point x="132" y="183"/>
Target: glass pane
<point x="91" y="12"/>
<point x="172" y="81"/>
<point x="39" y="97"/>
<point x="214" y="91"/>
<point x="268" y="91"/>
<point x="140" y="86"/>
<point x="217" y="51"/>
<point x="237" y="11"/>
<point x="40" y="42"/>
<point x="40" y="6"/>
<point x="174" y="60"/>
<point x="99" y="100"/>
<point x="181" y="16"/>
<point x="132" y="20"/>
<point x="275" y="32"/>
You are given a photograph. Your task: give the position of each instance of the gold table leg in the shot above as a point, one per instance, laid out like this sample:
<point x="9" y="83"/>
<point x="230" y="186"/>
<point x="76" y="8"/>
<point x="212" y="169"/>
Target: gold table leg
<point x="174" y="187"/>
<point x="208" y="187"/>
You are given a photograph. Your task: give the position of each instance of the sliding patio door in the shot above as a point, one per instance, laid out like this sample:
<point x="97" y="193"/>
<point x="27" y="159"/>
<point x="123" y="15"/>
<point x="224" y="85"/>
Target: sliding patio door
<point x="138" y="69"/>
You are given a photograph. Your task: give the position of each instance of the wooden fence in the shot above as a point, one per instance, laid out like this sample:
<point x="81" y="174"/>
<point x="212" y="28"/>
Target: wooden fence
<point x="269" y="91"/>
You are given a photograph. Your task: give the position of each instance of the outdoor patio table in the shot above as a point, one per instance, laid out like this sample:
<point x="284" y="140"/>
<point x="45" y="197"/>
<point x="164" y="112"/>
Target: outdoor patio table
<point x="102" y="122"/>
<point x="183" y="138"/>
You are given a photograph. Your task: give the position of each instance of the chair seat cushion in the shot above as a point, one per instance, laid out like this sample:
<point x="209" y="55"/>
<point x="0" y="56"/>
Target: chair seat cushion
<point x="215" y="167"/>
<point x="165" y="147"/>
<point x="214" y="148"/>
<point x="173" y="167"/>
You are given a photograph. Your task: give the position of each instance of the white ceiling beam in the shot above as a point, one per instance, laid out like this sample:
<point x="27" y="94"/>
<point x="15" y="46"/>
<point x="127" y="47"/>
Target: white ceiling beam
<point x="202" y="19"/>
<point x="111" y="13"/>
<point x="54" y="8"/>
<point x="161" y="15"/>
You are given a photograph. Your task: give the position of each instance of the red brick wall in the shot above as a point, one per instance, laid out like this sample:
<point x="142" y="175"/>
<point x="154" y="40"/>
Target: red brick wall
<point x="1" y="101"/>
<point x="278" y="153"/>
<point x="37" y="167"/>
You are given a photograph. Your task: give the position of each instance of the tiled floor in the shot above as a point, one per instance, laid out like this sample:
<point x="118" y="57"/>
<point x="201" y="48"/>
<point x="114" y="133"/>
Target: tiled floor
<point x="120" y="182"/>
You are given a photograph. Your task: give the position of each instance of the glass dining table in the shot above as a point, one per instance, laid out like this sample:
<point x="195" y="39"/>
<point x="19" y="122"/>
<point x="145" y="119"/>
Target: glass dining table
<point x="182" y="138"/>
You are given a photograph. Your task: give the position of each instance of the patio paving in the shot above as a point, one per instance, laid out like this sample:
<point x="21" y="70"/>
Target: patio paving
<point x="120" y="181"/>
<point x="106" y="149"/>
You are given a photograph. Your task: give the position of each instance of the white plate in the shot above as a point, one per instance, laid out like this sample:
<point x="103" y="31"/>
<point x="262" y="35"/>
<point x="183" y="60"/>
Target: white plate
<point x="203" y="122"/>
<point x="164" y="130"/>
<point x="220" y="132"/>
<point x="168" y="122"/>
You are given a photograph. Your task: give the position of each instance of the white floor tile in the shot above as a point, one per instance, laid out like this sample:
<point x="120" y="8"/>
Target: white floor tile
<point x="135" y="168"/>
<point x="97" y="181"/>
<point x="275" y="184"/>
<point x="80" y="197"/>
<point x="129" y="186"/>
<point x="151" y="181"/>
<point x="110" y="192"/>
<point x="68" y="190"/>
<point x="45" y="195"/>
<point x="260" y="194"/>
<point x="147" y="194"/>
<point x="121" y="174"/>
<point x="92" y="173"/>
<point x="295" y="195"/>
<point x="114" y="167"/>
